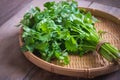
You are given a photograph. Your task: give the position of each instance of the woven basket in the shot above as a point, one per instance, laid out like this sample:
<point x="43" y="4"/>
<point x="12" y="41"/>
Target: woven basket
<point x="92" y="64"/>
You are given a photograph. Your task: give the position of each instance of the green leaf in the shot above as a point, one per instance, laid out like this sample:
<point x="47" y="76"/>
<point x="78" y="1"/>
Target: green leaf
<point x="71" y="44"/>
<point x="49" y="4"/>
<point x="42" y="46"/>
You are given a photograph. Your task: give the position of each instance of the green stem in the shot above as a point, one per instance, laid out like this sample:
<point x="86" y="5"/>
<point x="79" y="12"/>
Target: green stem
<point x="113" y="50"/>
<point x="109" y="52"/>
<point x="105" y="55"/>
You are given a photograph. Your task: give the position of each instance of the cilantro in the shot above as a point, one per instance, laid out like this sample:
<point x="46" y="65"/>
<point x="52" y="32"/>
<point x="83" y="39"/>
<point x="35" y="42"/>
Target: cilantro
<point x="59" y="29"/>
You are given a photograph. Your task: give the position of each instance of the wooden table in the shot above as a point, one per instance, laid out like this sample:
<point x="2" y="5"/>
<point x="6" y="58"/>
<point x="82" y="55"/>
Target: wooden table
<point x="13" y="64"/>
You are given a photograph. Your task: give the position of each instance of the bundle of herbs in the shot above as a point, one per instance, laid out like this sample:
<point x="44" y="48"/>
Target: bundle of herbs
<point x="62" y="29"/>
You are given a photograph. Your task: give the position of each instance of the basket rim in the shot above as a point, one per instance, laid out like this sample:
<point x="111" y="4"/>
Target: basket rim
<point x="57" y="66"/>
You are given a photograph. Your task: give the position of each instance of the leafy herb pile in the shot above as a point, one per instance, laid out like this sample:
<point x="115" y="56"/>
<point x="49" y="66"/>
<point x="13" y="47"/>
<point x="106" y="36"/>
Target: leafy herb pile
<point x="62" y="29"/>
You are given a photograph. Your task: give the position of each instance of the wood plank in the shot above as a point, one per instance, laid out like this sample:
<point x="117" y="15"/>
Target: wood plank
<point x="82" y="3"/>
<point x="111" y="76"/>
<point x="9" y="7"/>
<point x="13" y="64"/>
<point x="45" y="75"/>
<point x="115" y="3"/>
<point x="109" y="9"/>
<point x="101" y="7"/>
<point x="115" y="11"/>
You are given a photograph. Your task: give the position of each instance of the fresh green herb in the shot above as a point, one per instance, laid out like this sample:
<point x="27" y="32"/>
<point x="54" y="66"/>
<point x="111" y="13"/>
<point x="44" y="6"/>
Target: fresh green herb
<point x="60" y="29"/>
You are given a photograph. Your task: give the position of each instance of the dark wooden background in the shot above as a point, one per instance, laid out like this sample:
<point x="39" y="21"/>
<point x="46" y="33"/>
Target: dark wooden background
<point x="13" y="64"/>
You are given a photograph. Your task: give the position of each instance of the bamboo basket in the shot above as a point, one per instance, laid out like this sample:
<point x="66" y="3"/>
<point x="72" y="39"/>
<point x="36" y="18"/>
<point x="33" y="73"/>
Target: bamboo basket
<point x="92" y="64"/>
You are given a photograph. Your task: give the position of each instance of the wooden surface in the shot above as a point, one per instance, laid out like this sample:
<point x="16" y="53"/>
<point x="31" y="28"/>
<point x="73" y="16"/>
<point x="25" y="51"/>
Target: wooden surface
<point x="9" y="7"/>
<point x="13" y="64"/>
<point x="113" y="3"/>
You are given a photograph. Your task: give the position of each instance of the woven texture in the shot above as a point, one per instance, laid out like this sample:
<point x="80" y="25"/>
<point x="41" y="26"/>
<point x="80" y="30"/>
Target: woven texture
<point x="91" y="64"/>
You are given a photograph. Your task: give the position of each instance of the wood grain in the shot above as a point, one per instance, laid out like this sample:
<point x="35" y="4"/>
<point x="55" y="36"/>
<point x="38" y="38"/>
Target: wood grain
<point x="84" y="3"/>
<point x="101" y="7"/>
<point x="13" y="65"/>
<point x="38" y="73"/>
<point x="115" y="11"/>
<point x="113" y="3"/>
<point x="9" y="7"/>
<point x="108" y="9"/>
